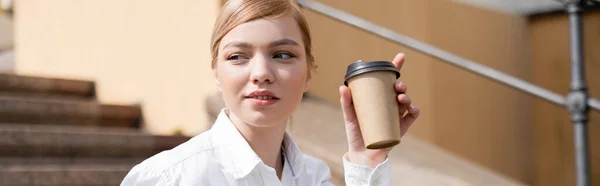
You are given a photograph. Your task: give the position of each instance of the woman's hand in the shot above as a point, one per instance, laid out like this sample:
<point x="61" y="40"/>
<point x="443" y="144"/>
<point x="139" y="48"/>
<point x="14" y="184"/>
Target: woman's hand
<point x="358" y="153"/>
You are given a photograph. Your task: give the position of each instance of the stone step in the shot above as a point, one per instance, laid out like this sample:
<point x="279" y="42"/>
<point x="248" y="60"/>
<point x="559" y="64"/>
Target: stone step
<point x="44" y="87"/>
<point x="7" y="162"/>
<point x="69" y="112"/>
<point x="23" y="140"/>
<point x="69" y="175"/>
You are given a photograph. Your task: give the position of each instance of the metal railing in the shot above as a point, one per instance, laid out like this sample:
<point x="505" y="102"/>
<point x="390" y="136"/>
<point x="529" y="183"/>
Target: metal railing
<point x="577" y="102"/>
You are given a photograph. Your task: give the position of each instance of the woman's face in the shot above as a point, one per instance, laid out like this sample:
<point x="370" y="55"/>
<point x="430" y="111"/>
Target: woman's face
<point x="262" y="70"/>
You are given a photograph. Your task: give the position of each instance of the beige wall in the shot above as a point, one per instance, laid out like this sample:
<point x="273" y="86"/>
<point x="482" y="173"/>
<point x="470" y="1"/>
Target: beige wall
<point x="466" y="114"/>
<point x="6" y="32"/>
<point x="477" y="118"/>
<point x="140" y="51"/>
<point x="554" y="133"/>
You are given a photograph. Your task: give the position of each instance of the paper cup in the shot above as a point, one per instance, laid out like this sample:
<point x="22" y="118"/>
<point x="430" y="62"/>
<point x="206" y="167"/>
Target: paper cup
<point x="374" y="99"/>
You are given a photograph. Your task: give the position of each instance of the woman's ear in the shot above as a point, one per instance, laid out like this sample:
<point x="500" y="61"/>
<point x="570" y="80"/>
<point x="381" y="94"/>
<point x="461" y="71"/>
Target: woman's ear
<point x="307" y="84"/>
<point x="216" y="79"/>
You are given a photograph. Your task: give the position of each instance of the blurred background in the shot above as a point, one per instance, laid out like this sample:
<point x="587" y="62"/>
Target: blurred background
<point x="89" y="88"/>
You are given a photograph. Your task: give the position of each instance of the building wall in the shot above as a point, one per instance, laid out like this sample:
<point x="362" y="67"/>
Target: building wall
<point x="554" y="149"/>
<point x="6" y="32"/>
<point x="475" y="117"/>
<point x="139" y="51"/>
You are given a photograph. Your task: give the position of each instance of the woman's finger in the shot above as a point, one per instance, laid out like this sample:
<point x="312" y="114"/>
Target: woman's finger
<point x="399" y="61"/>
<point x="347" y="106"/>
<point x="400" y="87"/>
<point x="409" y="119"/>
<point x="403" y="103"/>
<point x="353" y="133"/>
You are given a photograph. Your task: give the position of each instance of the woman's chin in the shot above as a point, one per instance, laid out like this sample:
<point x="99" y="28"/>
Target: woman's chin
<point x="263" y="122"/>
<point x="265" y="119"/>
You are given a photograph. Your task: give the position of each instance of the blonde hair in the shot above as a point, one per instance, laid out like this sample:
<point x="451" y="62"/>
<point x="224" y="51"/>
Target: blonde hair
<point x="237" y="12"/>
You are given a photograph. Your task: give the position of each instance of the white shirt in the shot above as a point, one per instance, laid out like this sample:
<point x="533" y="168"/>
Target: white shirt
<point x="221" y="156"/>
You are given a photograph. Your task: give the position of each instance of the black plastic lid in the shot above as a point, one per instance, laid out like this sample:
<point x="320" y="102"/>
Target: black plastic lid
<point x="361" y="67"/>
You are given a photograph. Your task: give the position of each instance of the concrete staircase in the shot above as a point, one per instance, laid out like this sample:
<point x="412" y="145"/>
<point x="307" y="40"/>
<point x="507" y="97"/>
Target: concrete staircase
<point x="54" y="132"/>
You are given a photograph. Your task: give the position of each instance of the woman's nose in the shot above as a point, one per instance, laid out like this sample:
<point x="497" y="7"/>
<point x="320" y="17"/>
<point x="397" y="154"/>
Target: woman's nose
<point x="261" y="71"/>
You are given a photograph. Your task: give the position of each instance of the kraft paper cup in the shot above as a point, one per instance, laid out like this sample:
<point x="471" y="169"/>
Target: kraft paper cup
<point x="374" y="99"/>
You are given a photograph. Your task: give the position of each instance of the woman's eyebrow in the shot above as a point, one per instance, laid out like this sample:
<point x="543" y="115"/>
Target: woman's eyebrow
<point x="237" y="44"/>
<point x="283" y="42"/>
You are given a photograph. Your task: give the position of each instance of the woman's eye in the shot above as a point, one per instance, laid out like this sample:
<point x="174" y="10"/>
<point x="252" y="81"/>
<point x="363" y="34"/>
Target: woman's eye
<point x="235" y="57"/>
<point x="283" y="55"/>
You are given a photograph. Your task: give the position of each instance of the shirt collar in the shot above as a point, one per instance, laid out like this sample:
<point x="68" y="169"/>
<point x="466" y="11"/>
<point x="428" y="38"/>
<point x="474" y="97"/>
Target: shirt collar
<point x="237" y="157"/>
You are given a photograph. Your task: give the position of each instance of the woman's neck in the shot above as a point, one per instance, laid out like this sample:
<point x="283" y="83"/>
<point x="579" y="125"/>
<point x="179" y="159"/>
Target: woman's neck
<point x="265" y="141"/>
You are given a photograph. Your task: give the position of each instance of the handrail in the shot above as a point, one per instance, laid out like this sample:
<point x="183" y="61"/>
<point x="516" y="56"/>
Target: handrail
<point x="445" y="56"/>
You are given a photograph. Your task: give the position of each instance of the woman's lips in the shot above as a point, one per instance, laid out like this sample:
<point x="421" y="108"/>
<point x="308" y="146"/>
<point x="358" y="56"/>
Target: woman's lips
<point x="262" y="98"/>
<point x="262" y="102"/>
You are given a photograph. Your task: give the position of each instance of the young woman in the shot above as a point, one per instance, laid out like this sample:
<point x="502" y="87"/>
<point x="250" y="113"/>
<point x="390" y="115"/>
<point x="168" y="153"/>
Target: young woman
<point x="262" y="63"/>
